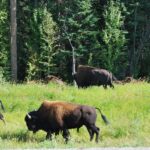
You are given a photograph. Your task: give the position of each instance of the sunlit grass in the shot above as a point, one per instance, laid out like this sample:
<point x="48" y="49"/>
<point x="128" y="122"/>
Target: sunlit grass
<point x="127" y="108"/>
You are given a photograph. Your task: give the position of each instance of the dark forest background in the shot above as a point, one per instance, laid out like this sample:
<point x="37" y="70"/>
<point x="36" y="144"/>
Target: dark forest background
<point x="110" y="34"/>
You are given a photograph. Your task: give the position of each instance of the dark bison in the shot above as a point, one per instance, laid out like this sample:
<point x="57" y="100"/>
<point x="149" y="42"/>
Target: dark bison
<point x="1" y="115"/>
<point x="57" y="116"/>
<point x="88" y="76"/>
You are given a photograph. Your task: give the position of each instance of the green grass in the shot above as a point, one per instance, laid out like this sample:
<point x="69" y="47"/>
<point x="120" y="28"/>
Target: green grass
<point x="127" y="107"/>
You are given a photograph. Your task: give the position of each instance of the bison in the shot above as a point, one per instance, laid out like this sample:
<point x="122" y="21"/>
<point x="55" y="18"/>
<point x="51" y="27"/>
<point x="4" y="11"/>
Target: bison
<point x="88" y="76"/>
<point x="56" y="116"/>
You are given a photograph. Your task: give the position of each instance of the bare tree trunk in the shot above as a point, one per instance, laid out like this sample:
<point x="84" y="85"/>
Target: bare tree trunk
<point x="73" y="54"/>
<point x="73" y="60"/>
<point x="13" y="41"/>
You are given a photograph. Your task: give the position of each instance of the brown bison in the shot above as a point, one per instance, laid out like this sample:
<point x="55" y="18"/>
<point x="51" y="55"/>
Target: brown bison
<point x="56" y="116"/>
<point x="88" y="76"/>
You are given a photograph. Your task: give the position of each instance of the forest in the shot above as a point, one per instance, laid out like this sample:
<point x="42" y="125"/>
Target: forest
<point x="109" y="34"/>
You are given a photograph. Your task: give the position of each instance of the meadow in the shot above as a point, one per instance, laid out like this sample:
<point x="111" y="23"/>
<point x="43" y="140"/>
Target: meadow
<point x="127" y="108"/>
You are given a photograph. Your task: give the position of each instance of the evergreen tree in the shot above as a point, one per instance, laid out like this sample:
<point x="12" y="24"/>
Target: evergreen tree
<point x="36" y="32"/>
<point x="109" y="34"/>
<point x="78" y="28"/>
<point x="138" y="26"/>
<point x="4" y="40"/>
<point x="113" y="52"/>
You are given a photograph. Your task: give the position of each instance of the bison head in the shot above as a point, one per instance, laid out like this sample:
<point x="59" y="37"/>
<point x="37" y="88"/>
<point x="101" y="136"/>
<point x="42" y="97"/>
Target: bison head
<point x="31" y="120"/>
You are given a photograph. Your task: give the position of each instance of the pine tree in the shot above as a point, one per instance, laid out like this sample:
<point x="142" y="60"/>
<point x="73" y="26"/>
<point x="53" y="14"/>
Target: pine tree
<point x="113" y="52"/>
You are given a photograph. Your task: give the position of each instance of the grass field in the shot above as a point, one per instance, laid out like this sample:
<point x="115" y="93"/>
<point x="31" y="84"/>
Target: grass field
<point x="127" y="107"/>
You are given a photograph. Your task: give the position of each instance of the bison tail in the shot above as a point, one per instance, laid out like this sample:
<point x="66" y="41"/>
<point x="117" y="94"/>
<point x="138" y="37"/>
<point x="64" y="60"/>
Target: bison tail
<point x="103" y="116"/>
<point x="2" y="106"/>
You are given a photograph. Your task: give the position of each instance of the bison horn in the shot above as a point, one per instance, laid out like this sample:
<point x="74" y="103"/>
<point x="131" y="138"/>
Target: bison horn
<point x="28" y="116"/>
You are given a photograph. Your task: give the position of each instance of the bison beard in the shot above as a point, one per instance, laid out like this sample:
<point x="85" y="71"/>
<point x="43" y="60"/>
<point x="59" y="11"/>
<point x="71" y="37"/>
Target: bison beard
<point x="88" y="76"/>
<point x="56" y="116"/>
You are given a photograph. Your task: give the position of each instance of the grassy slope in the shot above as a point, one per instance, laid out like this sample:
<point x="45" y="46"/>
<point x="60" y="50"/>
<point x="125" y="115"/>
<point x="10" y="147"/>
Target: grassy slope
<point x="127" y="107"/>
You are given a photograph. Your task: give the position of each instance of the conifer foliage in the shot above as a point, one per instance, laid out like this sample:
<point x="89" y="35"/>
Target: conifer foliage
<point x="111" y="34"/>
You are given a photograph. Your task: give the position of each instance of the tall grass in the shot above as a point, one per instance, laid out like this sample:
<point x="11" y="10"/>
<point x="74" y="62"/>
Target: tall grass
<point x="127" y="108"/>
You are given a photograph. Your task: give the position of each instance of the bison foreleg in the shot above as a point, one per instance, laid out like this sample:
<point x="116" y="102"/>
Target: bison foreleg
<point x="111" y="85"/>
<point x="66" y="135"/>
<point x="105" y="86"/>
<point x="49" y="136"/>
<point x="78" y="129"/>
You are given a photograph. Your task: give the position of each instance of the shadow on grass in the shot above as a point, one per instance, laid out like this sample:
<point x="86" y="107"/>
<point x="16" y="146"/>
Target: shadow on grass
<point x="21" y="136"/>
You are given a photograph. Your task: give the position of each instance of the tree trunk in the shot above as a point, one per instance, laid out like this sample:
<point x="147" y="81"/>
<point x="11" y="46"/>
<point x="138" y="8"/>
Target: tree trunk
<point x="13" y="41"/>
<point x="73" y="55"/>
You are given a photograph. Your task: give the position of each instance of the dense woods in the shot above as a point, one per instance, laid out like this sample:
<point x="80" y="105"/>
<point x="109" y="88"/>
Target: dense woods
<point x="112" y="34"/>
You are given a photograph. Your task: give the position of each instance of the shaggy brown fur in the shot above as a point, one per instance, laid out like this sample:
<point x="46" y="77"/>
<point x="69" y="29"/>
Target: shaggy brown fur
<point x="56" y="110"/>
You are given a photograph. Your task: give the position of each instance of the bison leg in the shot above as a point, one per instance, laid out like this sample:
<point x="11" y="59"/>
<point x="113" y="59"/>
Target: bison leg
<point x="78" y="130"/>
<point x="96" y="131"/>
<point x="49" y="136"/>
<point x="66" y="134"/>
<point x="91" y="133"/>
<point x="56" y="133"/>
<point x="93" y="129"/>
<point x="105" y="86"/>
<point x="97" y="134"/>
<point x="111" y="85"/>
